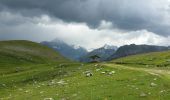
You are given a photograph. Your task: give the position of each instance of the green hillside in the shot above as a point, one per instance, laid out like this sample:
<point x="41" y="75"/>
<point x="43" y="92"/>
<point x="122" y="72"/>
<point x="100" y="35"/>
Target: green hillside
<point x="155" y="59"/>
<point x="20" y="60"/>
<point x="19" y="52"/>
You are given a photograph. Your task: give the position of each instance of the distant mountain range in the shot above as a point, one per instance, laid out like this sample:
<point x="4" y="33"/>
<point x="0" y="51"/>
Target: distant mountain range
<point x="103" y="52"/>
<point x="107" y="52"/>
<point x="133" y="49"/>
<point x="69" y="51"/>
<point x="79" y="53"/>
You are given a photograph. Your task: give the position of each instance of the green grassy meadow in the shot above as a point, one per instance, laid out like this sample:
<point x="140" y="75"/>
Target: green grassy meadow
<point x="148" y="60"/>
<point x="30" y="71"/>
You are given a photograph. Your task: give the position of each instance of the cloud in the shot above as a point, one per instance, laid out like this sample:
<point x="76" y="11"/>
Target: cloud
<point x="128" y="15"/>
<point x="46" y="28"/>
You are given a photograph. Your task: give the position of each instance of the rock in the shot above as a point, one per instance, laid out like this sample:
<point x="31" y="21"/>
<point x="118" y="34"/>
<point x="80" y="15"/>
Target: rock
<point x="20" y="89"/>
<point x="149" y="93"/>
<point x="134" y="79"/>
<point x="63" y="99"/>
<point x="97" y="70"/>
<point x="153" y="84"/>
<point x="4" y="85"/>
<point x="49" y="84"/>
<point x="42" y="84"/>
<point x="103" y="72"/>
<point x="143" y="94"/>
<point x="162" y="91"/>
<point x="79" y="68"/>
<point x="52" y="82"/>
<point x="61" y="65"/>
<point x="38" y="86"/>
<point x="155" y="79"/>
<point x="74" y="95"/>
<point x="112" y="72"/>
<point x="35" y="82"/>
<point x="96" y="65"/>
<point x="26" y="91"/>
<point x="89" y="74"/>
<point x="168" y="60"/>
<point x="61" y="82"/>
<point x="132" y="86"/>
<point x="17" y="69"/>
<point x="41" y="92"/>
<point x="48" y="99"/>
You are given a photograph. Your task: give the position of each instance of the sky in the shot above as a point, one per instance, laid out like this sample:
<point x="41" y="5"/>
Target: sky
<point x="87" y="23"/>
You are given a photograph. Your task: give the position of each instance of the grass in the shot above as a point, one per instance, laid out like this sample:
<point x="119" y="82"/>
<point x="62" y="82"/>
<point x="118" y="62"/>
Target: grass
<point x="45" y="77"/>
<point x="23" y="54"/>
<point x="155" y="59"/>
<point x="124" y="84"/>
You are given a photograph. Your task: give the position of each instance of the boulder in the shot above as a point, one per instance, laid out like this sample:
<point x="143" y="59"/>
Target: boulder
<point x="153" y="84"/>
<point x="143" y="94"/>
<point x="89" y="74"/>
<point x="48" y="99"/>
<point x="112" y="72"/>
<point x="103" y="72"/>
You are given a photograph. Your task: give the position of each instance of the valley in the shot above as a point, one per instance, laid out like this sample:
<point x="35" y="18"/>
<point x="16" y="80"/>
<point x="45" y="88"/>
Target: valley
<point x="32" y="71"/>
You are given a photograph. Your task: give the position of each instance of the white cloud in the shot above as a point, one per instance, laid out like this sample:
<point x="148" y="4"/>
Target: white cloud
<point x="45" y="28"/>
<point x="105" y="25"/>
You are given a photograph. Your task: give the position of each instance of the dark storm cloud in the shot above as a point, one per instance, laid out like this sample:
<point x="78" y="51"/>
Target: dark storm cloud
<point x="152" y="15"/>
<point x="15" y="26"/>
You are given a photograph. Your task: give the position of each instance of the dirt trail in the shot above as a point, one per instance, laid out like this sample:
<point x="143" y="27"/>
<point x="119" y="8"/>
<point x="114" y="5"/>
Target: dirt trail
<point x="151" y="71"/>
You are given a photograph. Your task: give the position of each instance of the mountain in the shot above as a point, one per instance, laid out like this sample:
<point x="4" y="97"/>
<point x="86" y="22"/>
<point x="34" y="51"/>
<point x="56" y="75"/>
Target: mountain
<point x="18" y="52"/>
<point x="107" y="47"/>
<point x="69" y="51"/>
<point x="104" y="52"/>
<point x="133" y="49"/>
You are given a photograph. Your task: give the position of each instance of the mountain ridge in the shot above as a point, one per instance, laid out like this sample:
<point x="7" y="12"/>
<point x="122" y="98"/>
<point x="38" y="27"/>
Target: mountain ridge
<point x="68" y="51"/>
<point x="106" y="52"/>
<point x="133" y="49"/>
<point x="103" y="52"/>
